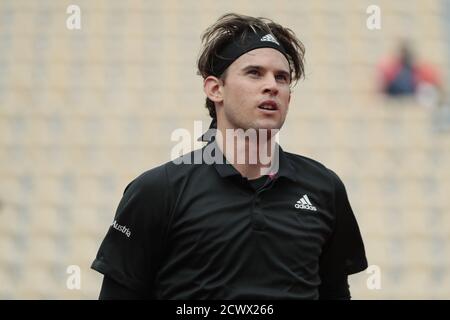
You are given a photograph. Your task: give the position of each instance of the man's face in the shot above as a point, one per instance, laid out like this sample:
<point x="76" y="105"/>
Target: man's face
<point x="256" y="92"/>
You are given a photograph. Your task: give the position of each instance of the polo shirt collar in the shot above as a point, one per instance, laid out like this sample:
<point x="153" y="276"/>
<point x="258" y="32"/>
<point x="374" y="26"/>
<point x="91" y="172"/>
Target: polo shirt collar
<point x="225" y="169"/>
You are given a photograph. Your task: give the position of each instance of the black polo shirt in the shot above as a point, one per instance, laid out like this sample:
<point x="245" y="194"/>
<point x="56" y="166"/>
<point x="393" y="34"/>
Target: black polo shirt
<point x="202" y="231"/>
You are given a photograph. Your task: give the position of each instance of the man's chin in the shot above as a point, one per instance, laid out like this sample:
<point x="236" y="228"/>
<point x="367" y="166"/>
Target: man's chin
<point x="267" y="126"/>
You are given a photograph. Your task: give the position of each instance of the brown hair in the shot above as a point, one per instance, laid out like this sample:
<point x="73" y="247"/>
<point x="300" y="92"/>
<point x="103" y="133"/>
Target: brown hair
<point x="228" y="27"/>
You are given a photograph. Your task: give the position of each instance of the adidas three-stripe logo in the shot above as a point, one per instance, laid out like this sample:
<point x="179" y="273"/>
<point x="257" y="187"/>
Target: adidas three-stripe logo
<point x="269" y="37"/>
<point x="304" y="203"/>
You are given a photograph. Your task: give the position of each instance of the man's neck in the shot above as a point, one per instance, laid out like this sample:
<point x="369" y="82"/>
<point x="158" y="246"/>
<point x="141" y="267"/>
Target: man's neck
<point x="252" y="158"/>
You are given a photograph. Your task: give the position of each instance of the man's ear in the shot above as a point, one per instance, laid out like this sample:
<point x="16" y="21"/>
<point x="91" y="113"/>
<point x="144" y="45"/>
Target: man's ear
<point x="213" y="88"/>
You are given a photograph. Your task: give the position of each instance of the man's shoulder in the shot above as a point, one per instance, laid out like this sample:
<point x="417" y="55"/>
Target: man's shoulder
<point x="176" y="168"/>
<point x="312" y="168"/>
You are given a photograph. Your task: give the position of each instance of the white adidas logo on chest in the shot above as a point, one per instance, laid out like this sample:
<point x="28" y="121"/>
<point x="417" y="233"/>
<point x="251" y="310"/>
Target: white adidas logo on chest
<point x="305" y="204"/>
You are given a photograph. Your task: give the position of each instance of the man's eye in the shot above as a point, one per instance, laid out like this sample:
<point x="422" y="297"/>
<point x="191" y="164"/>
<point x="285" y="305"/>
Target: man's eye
<point x="253" y="72"/>
<point x="282" y="77"/>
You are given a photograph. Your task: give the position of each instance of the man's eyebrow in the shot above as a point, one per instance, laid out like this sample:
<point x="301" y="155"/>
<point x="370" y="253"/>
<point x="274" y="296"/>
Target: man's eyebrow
<point x="250" y="67"/>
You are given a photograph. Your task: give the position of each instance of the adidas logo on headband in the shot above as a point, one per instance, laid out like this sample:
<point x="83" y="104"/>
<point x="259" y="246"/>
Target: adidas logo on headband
<point x="238" y="46"/>
<point x="269" y="37"/>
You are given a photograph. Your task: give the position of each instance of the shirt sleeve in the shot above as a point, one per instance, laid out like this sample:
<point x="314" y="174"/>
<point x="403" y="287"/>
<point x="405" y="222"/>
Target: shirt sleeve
<point x="133" y="246"/>
<point x="111" y="290"/>
<point x="344" y="252"/>
<point x="337" y="289"/>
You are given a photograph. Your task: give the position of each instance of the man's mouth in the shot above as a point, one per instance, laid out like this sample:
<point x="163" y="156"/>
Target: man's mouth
<point x="268" y="105"/>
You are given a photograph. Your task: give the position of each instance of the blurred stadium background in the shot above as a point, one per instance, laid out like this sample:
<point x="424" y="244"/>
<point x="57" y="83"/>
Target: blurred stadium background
<point x="82" y="112"/>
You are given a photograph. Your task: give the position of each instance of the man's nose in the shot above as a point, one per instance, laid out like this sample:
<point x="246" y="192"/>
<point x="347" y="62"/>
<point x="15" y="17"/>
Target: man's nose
<point x="270" y="85"/>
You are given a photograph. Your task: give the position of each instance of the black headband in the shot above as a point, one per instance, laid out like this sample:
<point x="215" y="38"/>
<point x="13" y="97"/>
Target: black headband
<point x="236" y="48"/>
